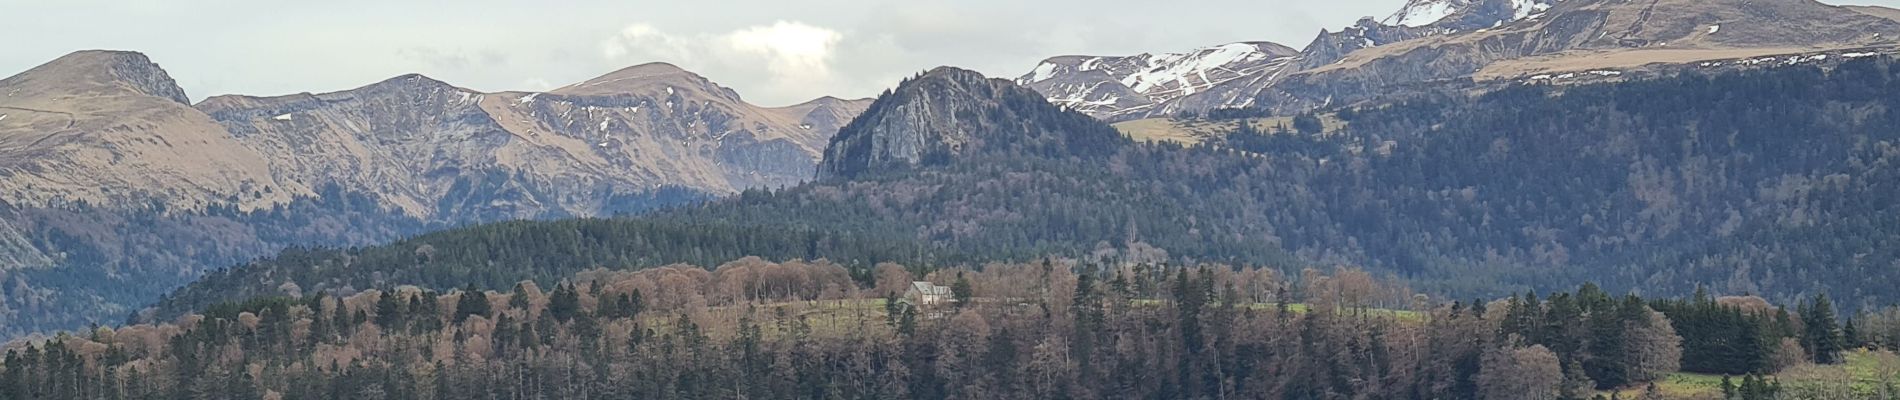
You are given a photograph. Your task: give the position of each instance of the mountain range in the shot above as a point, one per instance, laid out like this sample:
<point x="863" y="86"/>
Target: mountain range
<point x="409" y="140"/>
<point x="1471" y="42"/>
<point x="1768" y="181"/>
<point x="107" y="161"/>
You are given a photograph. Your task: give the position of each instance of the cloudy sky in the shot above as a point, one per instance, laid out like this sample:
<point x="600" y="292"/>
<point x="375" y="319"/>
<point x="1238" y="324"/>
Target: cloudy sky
<point x="774" y="52"/>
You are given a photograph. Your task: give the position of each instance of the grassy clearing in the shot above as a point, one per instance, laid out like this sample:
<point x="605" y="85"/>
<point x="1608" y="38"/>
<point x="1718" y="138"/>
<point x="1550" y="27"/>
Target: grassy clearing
<point x="1194" y="132"/>
<point x="825" y="318"/>
<point x="1865" y="372"/>
<point x="861" y="317"/>
<point x="1302" y="308"/>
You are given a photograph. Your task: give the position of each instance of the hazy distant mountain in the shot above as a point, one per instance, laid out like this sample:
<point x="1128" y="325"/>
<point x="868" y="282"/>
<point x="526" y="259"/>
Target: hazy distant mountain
<point x="426" y="146"/>
<point x="1500" y="40"/>
<point x="1609" y="37"/>
<point x="97" y="141"/>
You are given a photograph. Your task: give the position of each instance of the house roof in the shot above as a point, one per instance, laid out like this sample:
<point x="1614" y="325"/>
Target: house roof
<point x="928" y="288"/>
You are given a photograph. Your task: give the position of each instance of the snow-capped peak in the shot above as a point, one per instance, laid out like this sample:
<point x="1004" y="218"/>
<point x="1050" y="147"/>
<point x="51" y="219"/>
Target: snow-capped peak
<point x="1105" y="86"/>
<point x="1189" y="68"/>
<point x="1486" y="13"/>
<point x="1419" y="13"/>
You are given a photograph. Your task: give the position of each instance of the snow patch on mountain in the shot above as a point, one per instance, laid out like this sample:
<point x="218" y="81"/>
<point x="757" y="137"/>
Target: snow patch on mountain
<point x="1110" y="86"/>
<point x="1187" y="69"/>
<point x="1466" y="13"/>
<point x="1527" y="8"/>
<point x="1045" y="71"/>
<point x="1422" y="14"/>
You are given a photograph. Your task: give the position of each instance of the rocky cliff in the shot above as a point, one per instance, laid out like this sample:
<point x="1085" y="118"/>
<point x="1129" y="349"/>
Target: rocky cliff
<point x="949" y="114"/>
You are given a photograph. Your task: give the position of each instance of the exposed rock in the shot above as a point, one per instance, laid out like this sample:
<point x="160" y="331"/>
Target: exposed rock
<point x="950" y="114"/>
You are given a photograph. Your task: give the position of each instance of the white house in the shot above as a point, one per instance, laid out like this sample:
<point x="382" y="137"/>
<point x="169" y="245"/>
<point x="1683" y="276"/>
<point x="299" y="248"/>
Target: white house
<point x="926" y="293"/>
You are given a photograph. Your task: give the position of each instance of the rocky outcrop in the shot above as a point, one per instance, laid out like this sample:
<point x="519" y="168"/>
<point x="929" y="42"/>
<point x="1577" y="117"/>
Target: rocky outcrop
<point x="96" y="73"/>
<point x="947" y="115"/>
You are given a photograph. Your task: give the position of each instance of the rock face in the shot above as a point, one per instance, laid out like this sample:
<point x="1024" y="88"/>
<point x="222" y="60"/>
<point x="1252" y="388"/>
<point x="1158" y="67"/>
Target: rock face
<point x="949" y="114"/>
<point x="114" y="188"/>
<point x="1430" y="41"/>
<point x="1418" y="19"/>
<point x="434" y="150"/>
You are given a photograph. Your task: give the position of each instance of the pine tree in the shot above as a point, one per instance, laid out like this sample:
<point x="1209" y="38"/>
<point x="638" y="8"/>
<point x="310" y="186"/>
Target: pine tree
<point x="320" y="324"/>
<point x="565" y="304"/>
<point x="962" y="290"/>
<point x="388" y="310"/>
<point x="473" y="302"/>
<point x="1576" y="384"/>
<point x="1822" y="334"/>
<point x="519" y="300"/>
<point x="1086" y="312"/>
<point x="1850" y="336"/>
<point x="1608" y="349"/>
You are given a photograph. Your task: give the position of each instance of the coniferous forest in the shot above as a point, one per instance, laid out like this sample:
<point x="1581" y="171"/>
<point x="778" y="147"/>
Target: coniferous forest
<point x="1053" y="329"/>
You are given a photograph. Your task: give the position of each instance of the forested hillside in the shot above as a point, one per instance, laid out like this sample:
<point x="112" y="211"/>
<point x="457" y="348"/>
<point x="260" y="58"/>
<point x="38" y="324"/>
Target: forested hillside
<point x="115" y="262"/>
<point x="501" y="254"/>
<point x="807" y="330"/>
<point x="1772" y="182"/>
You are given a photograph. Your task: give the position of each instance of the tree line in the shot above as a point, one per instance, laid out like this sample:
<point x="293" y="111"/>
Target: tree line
<point x="1056" y="328"/>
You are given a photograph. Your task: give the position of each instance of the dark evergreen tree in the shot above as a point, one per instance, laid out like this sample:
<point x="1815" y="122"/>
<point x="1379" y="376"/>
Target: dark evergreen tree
<point x="1821" y="334"/>
<point x="473" y="302"/>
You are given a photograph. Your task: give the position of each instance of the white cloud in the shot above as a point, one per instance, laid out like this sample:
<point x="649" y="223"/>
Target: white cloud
<point x="781" y="60"/>
<point x="796" y="51"/>
<point x="644" y="38"/>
